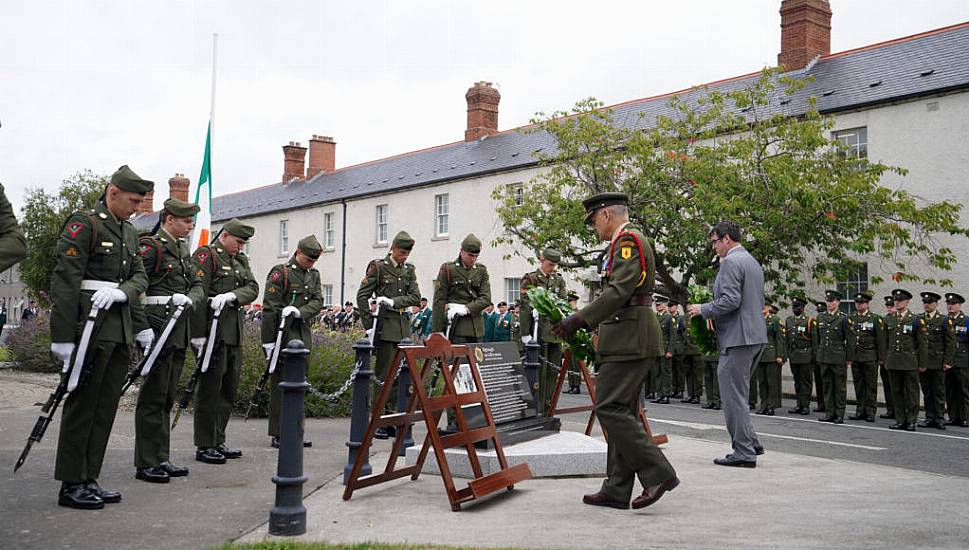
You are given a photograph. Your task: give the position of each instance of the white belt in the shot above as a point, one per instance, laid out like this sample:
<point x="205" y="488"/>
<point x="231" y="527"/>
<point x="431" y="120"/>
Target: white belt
<point x="156" y="300"/>
<point x="91" y="284"/>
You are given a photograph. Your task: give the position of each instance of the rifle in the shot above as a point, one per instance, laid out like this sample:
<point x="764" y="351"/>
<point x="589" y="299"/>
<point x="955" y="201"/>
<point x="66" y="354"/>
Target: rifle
<point x="201" y="365"/>
<point x="70" y="376"/>
<point x="270" y="368"/>
<point x="143" y="368"/>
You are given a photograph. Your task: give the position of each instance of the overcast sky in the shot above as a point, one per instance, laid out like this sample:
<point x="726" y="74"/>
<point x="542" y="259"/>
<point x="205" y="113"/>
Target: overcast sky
<point x="96" y="84"/>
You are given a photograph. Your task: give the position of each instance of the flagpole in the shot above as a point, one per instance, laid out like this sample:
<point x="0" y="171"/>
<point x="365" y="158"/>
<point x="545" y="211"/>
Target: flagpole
<point x="215" y="44"/>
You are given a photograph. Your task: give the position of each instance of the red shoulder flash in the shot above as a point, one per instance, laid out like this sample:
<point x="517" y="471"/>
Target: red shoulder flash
<point x="74" y="228"/>
<point x="202" y="256"/>
<point x="275" y="276"/>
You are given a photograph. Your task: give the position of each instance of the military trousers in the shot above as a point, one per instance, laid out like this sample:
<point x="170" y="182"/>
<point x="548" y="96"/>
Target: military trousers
<point x="678" y="376"/>
<point x="957" y="393"/>
<point x="449" y="412"/>
<point x="693" y="372"/>
<point x="665" y="381"/>
<point x="385" y="354"/>
<point x="631" y="452"/>
<point x="769" y="384"/>
<point x="886" y="377"/>
<point x="802" y="374"/>
<point x="864" y="376"/>
<point x="275" y="399"/>
<point x="818" y="387"/>
<point x="216" y="395"/>
<point x="575" y="375"/>
<point x="834" y="380"/>
<point x="753" y="395"/>
<point x="548" y="373"/>
<point x="653" y="375"/>
<point x="153" y="413"/>
<point x="88" y="414"/>
<point x="905" y="395"/>
<point x="933" y="392"/>
<point x="711" y="382"/>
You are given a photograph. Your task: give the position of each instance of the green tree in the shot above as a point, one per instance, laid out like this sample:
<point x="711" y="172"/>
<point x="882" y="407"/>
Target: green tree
<point x="43" y="218"/>
<point x="809" y="208"/>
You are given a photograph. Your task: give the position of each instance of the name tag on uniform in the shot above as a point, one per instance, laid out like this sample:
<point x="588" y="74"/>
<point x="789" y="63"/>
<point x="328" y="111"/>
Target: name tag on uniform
<point x="107" y="244"/>
<point x="801" y="330"/>
<point x="907" y="329"/>
<point x="960" y="329"/>
<point x="867" y="326"/>
<point x="226" y="268"/>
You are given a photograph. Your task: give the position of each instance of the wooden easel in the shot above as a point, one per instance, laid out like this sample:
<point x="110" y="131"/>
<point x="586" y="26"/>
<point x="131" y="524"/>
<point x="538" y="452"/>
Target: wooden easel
<point x="422" y="361"/>
<point x="590" y="385"/>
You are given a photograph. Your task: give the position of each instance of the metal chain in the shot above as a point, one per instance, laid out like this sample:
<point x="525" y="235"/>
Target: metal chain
<point x="552" y="365"/>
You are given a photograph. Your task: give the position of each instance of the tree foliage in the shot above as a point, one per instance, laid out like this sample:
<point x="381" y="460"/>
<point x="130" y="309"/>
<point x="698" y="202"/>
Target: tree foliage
<point x="809" y="208"/>
<point x="43" y="218"/>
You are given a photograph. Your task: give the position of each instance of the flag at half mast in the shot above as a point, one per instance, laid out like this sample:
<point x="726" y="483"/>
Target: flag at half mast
<point x="203" y="196"/>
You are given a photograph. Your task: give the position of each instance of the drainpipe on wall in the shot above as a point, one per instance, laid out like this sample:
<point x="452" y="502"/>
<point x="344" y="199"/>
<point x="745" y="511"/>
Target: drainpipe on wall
<point x="343" y="254"/>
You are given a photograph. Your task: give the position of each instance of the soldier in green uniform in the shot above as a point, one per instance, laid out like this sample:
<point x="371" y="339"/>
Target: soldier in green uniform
<point x="171" y="283"/>
<point x="941" y="354"/>
<point x="229" y="283"/>
<point x="692" y="361"/>
<point x="771" y="360"/>
<point x="882" y="370"/>
<point x="677" y="348"/>
<point x="957" y="377"/>
<point x="516" y="329"/>
<point x="629" y="337"/>
<point x="710" y="378"/>
<point x="393" y="282"/>
<point x="820" y="308"/>
<point x="831" y="340"/>
<point x="906" y="352"/>
<point x="421" y="323"/>
<point x="461" y="292"/>
<point x="503" y="323"/>
<point x="799" y="330"/>
<point x="866" y="351"/>
<point x="97" y="266"/>
<point x="575" y="375"/>
<point x="548" y="278"/>
<point x="664" y="380"/>
<point x="13" y="246"/>
<point x="293" y="292"/>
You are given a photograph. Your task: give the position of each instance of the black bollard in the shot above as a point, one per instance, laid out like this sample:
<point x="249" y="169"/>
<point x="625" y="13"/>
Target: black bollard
<point x="359" y="408"/>
<point x="403" y="396"/>
<point x="288" y="515"/>
<point x="531" y="365"/>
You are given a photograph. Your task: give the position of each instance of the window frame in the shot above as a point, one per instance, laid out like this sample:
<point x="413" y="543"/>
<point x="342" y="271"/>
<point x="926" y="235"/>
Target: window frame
<point x="442" y="199"/>
<point x="513" y="287"/>
<point x="284" y="237"/>
<point x="854" y="139"/>
<point x="329" y="230"/>
<point x="385" y="225"/>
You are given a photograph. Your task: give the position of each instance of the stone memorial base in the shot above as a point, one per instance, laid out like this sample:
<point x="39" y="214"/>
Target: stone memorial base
<point x="556" y="455"/>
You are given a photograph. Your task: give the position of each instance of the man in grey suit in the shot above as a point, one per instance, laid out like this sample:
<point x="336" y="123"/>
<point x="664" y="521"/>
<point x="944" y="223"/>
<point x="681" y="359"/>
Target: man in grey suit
<point x="737" y="307"/>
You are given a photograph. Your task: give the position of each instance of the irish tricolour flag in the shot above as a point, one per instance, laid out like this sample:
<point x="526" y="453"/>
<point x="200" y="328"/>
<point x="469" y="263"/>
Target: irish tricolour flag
<point x="203" y="196"/>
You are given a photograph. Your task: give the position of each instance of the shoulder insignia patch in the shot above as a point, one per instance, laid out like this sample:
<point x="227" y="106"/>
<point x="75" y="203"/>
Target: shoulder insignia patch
<point x="275" y="276"/>
<point x="626" y="251"/>
<point x="271" y="290"/>
<point x="72" y="252"/>
<point x="75" y="228"/>
<point x="202" y="256"/>
<point x="200" y="273"/>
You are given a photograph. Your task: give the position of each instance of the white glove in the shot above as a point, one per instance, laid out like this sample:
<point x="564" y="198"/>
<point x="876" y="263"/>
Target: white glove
<point x="369" y="334"/>
<point x="456" y="310"/>
<point x="106" y="297"/>
<point x="526" y="339"/>
<point x="535" y="314"/>
<point x="145" y="338"/>
<point x="385" y="301"/>
<point x="197" y="343"/>
<point x="181" y="300"/>
<point x="290" y="310"/>
<point x="268" y="348"/>
<point x="62" y="350"/>
<point x="221" y="300"/>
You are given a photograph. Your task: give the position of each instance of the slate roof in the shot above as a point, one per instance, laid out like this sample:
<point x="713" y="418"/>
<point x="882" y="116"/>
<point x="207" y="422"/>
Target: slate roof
<point x="922" y="64"/>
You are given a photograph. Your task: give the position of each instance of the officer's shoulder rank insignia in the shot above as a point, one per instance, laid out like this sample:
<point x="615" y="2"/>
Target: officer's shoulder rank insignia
<point x="72" y="251"/>
<point x="74" y="228"/>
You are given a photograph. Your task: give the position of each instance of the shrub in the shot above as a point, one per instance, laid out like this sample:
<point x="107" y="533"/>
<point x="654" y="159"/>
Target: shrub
<point x="29" y="346"/>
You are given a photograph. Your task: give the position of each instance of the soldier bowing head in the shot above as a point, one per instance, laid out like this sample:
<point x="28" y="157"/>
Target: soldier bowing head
<point x="126" y="192"/>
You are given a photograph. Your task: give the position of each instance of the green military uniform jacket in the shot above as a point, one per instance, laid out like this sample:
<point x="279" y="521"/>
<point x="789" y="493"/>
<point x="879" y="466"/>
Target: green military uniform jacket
<point x="95" y="246"/>
<point x="397" y="282"/>
<point x="689" y="346"/>
<point x="866" y="341"/>
<point x="941" y="340"/>
<point x="831" y="338"/>
<point x="960" y="331"/>
<point x="168" y="265"/>
<point x="13" y="246"/>
<point x="289" y="284"/>
<point x="219" y="273"/>
<point x="457" y="284"/>
<point x="799" y="334"/>
<point x="503" y="326"/>
<point x="626" y="332"/>
<point x="776" y="346"/>
<point x="677" y="340"/>
<point x="907" y="343"/>
<point x="555" y="285"/>
<point x="665" y="321"/>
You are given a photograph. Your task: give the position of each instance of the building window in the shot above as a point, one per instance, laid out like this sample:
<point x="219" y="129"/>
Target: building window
<point x="512" y="289"/>
<point x="856" y="281"/>
<point x="283" y="237"/>
<point x="855" y="139"/>
<point x="328" y="232"/>
<point x="328" y="295"/>
<point x="441" y="215"/>
<point x="381" y="223"/>
<point x="516" y="192"/>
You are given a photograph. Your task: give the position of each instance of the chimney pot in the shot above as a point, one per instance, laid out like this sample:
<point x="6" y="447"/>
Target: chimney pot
<point x="178" y="187"/>
<point x="322" y="155"/>
<point x="805" y="32"/>
<point x="483" y="101"/>
<point x="294" y="157"/>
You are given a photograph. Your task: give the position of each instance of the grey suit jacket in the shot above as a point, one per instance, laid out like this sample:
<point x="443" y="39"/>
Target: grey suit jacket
<point x="738" y="301"/>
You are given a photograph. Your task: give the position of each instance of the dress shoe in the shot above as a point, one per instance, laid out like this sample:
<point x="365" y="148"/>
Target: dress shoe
<point x="857" y="416"/>
<point x="77" y="495"/>
<point x="751" y="407"/>
<point x="695" y="401"/>
<point x="888" y="415"/>
<point x="717" y="407"/>
<point x="959" y="423"/>
<point x="686" y="400"/>
<point x="736" y="462"/>
<point x="381" y="433"/>
<point x="769" y="412"/>
<point x="274" y="442"/>
<point x="870" y="418"/>
<point x="653" y="493"/>
<point x="108" y="497"/>
<point x="837" y="420"/>
<point x="762" y="411"/>
<point x="153" y="475"/>
<point x="910" y="427"/>
<point x="826" y="419"/>
<point x="602" y="499"/>
<point x="227" y="452"/>
<point x="662" y="401"/>
<point x="758" y="450"/>
<point x="708" y="406"/>
<point x="819" y="409"/>
<point x="173" y="470"/>
<point x="899" y="426"/>
<point x="795" y="410"/>
<point x="650" y="395"/>
<point x="209" y="456"/>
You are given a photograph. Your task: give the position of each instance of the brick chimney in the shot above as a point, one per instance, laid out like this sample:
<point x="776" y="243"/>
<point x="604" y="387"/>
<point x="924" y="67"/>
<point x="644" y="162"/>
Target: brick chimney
<point x="805" y="32"/>
<point x="482" y="111"/>
<point x="146" y="205"/>
<point x="322" y="155"/>
<point x="294" y="156"/>
<point x="178" y="187"/>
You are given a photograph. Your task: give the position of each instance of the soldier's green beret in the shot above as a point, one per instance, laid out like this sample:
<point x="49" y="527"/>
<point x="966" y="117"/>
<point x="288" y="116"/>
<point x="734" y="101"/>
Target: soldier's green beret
<point x="239" y="229"/>
<point x="180" y="208"/>
<point x="798" y="301"/>
<point x="552" y="255"/>
<point x="660" y="299"/>
<point x="124" y="178"/>
<point x="900" y="294"/>
<point x="953" y="298"/>
<point x="820" y="305"/>
<point x="930" y="297"/>
<point x="861" y="297"/>
<point x="601" y="200"/>
<point x="673" y="302"/>
<point x="310" y="246"/>
<point x="833" y="295"/>
<point x="403" y="241"/>
<point x="471" y="244"/>
<point x="889" y="300"/>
